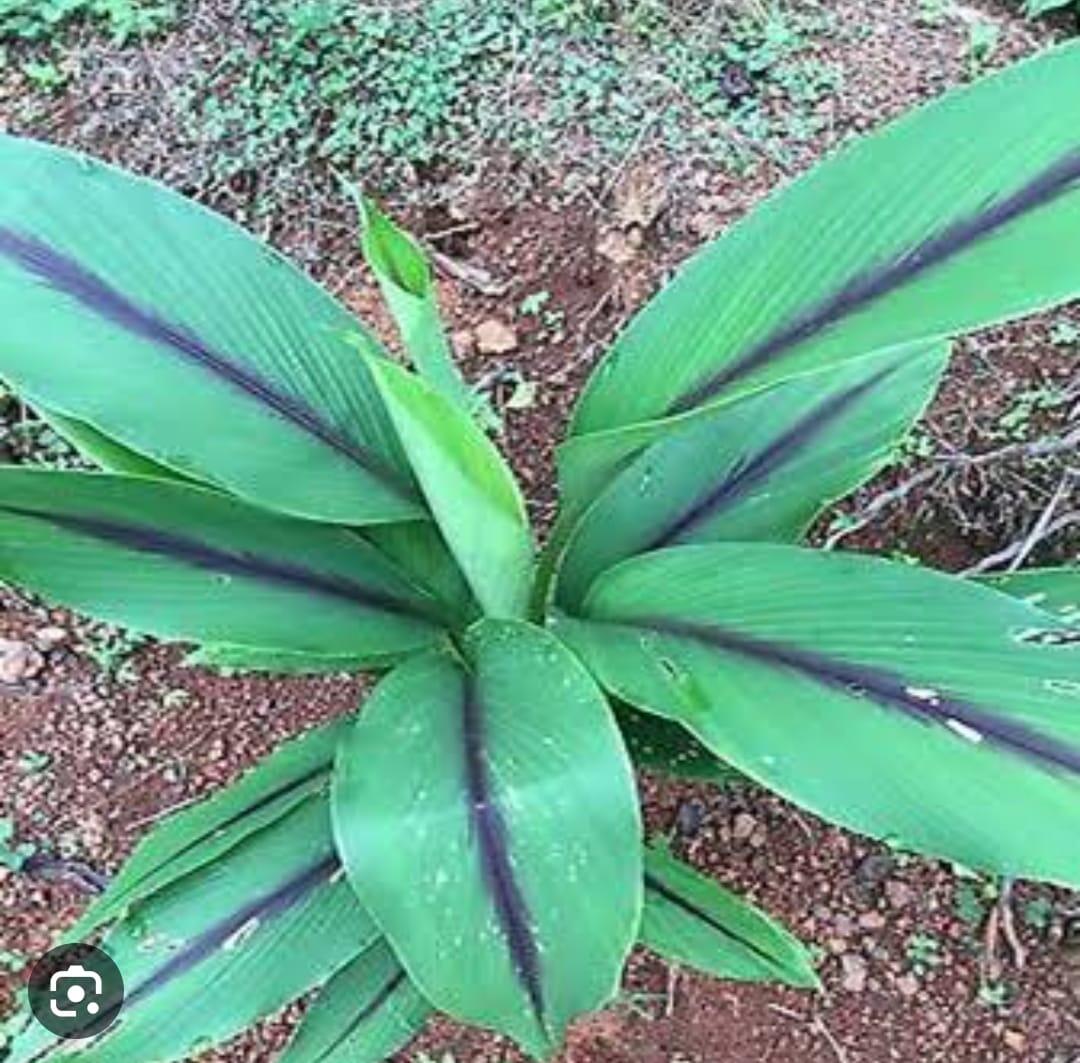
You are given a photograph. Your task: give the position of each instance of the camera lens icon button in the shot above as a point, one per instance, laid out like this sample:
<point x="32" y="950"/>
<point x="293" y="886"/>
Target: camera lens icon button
<point x="76" y="991"/>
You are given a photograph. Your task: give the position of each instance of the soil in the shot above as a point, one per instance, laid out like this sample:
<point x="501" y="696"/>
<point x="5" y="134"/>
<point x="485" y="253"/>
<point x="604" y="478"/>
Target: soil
<point x="91" y="757"/>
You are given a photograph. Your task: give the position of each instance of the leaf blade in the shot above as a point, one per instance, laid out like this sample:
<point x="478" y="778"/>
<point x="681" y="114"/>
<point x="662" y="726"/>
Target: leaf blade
<point x="502" y="833"/>
<point x="471" y="492"/>
<point x="847" y="260"/>
<point x="690" y="919"/>
<point x="956" y="705"/>
<point x="175" y="301"/>
<point x="177" y="561"/>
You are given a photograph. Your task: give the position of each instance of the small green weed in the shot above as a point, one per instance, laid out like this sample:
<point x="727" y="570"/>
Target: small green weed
<point x="110" y="649"/>
<point x="923" y="953"/>
<point x="13" y="854"/>
<point x="44" y="20"/>
<point x="1038" y="913"/>
<point x="994" y="995"/>
<point x="34" y="763"/>
<point x="1017" y="422"/>
<point x="411" y="92"/>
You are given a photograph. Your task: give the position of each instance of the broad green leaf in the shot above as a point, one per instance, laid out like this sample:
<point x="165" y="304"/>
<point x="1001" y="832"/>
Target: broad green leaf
<point x="202" y="833"/>
<point x="469" y="489"/>
<point x="486" y="813"/>
<point x="664" y="746"/>
<point x="1056" y="590"/>
<point x="963" y="213"/>
<point x="896" y="701"/>
<point x="230" y="943"/>
<point x="181" y="562"/>
<point x="365" y="1013"/>
<point x="758" y="469"/>
<point x="103" y="451"/>
<point x="226" y="658"/>
<point x="408" y="287"/>
<point x="692" y="920"/>
<point x="181" y="337"/>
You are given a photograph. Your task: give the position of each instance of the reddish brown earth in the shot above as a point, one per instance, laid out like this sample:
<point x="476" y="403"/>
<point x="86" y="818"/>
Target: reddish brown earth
<point x="124" y="749"/>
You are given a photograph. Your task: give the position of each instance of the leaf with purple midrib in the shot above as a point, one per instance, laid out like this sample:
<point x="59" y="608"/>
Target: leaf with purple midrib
<point x="493" y="845"/>
<point x="1056" y="180"/>
<point x="67" y="276"/>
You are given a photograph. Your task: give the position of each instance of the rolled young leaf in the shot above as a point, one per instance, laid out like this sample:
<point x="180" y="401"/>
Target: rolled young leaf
<point x="182" y="562"/>
<point x="180" y="336"/>
<point x="469" y="489"/>
<point x="486" y="813"/>
<point x="964" y="213"/>
<point x="365" y="1013"/>
<point x="1057" y="590"/>
<point x="692" y="920"/>
<point x="759" y="469"/>
<point x="408" y="287"/>
<point x="228" y="944"/>
<point x="896" y="701"/>
<point x="202" y="833"/>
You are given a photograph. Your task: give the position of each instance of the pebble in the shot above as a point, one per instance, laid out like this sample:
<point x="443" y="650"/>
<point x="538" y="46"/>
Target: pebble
<point x="495" y="337"/>
<point x="899" y="894"/>
<point x="1015" y="1040"/>
<point x="48" y="638"/>
<point x="907" y="985"/>
<point x="19" y="661"/>
<point x="854" y="973"/>
<point x="743" y="826"/>
<point x="875" y="869"/>
<point x="689" y="818"/>
<point x="872" y="921"/>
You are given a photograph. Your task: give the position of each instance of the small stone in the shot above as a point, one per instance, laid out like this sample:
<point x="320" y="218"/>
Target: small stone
<point x="616" y="248"/>
<point x="854" y="973"/>
<point x="690" y="816"/>
<point x="899" y="894"/>
<point x="875" y="869"/>
<point x="1015" y="1040"/>
<point x="463" y="341"/>
<point x="743" y="826"/>
<point x="843" y="926"/>
<point x="907" y="985"/>
<point x="495" y="337"/>
<point x="18" y="661"/>
<point x="48" y="638"/>
<point x="872" y="921"/>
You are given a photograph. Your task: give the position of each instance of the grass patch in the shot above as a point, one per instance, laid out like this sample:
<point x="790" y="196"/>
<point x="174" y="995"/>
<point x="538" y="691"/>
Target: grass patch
<point x="397" y="95"/>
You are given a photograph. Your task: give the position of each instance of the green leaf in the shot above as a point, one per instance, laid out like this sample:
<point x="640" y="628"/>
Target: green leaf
<point x="660" y="745"/>
<point x="692" y="920"/>
<point x="468" y="487"/>
<point x="407" y="285"/>
<point x="418" y="549"/>
<point x="962" y="214"/>
<point x="365" y="1013"/>
<point x="179" y="336"/>
<point x="226" y="658"/>
<point x="201" y="834"/>
<point x="230" y="943"/>
<point x="181" y="562"/>
<point x="486" y="813"/>
<point x="103" y="451"/>
<point x="761" y="468"/>
<point x="1056" y="590"/>
<point x="911" y="706"/>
